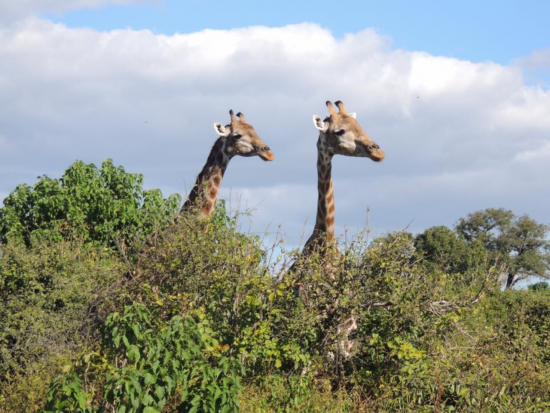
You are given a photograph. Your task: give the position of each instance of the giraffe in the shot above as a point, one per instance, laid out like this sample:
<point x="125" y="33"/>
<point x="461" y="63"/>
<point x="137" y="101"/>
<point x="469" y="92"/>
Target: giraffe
<point x="237" y="138"/>
<point x="339" y="134"/>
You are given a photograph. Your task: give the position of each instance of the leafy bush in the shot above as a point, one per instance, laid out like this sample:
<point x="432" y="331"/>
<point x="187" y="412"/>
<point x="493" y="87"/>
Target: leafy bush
<point x="416" y="327"/>
<point x="402" y="323"/>
<point x="214" y="273"/>
<point x="540" y="286"/>
<point x="297" y="394"/>
<point x="45" y="291"/>
<point x="106" y="206"/>
<point x="146" y="365"/>
<point x="57" y="240"/>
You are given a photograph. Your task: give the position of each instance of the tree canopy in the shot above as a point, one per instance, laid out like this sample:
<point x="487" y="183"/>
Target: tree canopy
<point x="519" y="242"/>
<point x="106" y="205"/>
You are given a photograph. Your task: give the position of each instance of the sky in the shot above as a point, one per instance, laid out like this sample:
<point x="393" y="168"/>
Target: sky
<point x="457" y="95"/>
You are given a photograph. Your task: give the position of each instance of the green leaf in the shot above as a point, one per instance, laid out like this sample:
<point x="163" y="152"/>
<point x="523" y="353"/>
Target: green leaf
<point x="149" y="379"/>
<point x="160" y="392"/>
<point x="133" y="353"/>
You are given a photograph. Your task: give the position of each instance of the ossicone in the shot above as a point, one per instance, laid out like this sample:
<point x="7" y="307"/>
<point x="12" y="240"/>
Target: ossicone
<point x="341" y="107"/>
<point x="330" y="107"/>
<point x="232" y="116"/>
<point x="241" y="117"/>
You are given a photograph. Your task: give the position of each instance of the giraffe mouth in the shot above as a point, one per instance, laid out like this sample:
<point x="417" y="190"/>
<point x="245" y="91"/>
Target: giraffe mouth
<point x="377" y="156"/>
<point x="266" y="155"/>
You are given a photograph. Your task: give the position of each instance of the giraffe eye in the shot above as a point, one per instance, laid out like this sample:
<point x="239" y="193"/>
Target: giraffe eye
<point x="340" y="132"/>
<point x="237" y="136"/>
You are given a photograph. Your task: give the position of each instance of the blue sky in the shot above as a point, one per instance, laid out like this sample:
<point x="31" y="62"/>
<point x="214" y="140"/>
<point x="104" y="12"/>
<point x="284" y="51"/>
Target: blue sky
<point x="494" y="30"/>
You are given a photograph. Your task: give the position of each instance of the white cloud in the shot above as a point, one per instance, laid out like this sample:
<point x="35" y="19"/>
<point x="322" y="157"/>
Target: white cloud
<point x="539" y="154"/>
<point x="538" y="59"/>
<point x="456" y="133"/>
<point x="11" y="10"/>
<point x="536" y="67"/>
<point x="433" y="75"/>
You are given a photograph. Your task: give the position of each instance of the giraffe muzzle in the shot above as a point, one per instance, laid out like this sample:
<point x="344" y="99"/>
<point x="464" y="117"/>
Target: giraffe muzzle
<point x="377" y="155"/>
<point x="266" y="155"/>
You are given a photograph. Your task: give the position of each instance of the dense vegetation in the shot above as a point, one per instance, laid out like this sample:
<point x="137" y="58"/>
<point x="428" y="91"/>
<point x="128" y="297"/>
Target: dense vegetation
<point x="108" y="303"/>
<point x="104" y="206"/>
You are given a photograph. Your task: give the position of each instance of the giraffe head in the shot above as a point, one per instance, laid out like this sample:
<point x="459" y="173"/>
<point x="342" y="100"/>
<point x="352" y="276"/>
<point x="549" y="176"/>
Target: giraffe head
<point x="241" y="139"/>
<point x="342" y="135"/>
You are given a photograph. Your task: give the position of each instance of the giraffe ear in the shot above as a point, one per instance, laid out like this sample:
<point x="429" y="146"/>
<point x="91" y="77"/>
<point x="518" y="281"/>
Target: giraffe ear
<point x="352" y="115"/>
<point x="319" y="123"/>
<point x="221" y="130"/>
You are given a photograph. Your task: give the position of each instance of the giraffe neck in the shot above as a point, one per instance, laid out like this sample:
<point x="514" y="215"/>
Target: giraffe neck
<point x="204" y="194"/>
<point x="324" y="223"/>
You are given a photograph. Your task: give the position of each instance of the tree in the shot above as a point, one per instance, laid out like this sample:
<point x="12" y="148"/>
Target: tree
<point x="540" y="286"/>
<point x="519" y="242"/>
<point x="106" y="206"/>
<point x="440" y="247"/>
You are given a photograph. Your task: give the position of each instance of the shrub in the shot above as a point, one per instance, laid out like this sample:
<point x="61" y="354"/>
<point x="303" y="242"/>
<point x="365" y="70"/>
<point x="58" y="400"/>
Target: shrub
<point x="45" y="291"/>
<point x="145" y="365"/>
<point x="106" y="206"/>
<point x="401" y="323"/>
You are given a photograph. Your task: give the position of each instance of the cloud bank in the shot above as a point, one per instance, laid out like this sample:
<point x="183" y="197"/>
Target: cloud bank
<point x="458" y="136"/>
<point x="11" y="10"/>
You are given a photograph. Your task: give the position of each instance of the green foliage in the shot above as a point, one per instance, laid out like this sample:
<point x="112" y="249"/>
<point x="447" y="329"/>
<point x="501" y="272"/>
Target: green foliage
<point x="106" y="205"/>
<point x="146" y="365"/>
<point x="211" y="271"/>
<point x="443" y="250"/>
<point x="494" y="360"/>
<point x="45" y="292"/>
<point x="299" y="394"/>
<point x="486" y="226"/>
<point x="417" y="327"/>
<point x="66" y="395"/>
<point x="540" y="286"/>
<point x="403" y="323"/>
<point x="519" y="242"/>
